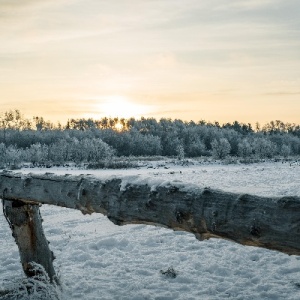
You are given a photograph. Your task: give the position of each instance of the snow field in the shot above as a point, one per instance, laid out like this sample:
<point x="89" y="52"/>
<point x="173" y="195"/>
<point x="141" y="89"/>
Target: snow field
<point x="99" y="260"/>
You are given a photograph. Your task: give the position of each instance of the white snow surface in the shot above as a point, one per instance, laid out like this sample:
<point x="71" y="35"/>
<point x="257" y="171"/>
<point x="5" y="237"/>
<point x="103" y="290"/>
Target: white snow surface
<point x="99" y="260"/>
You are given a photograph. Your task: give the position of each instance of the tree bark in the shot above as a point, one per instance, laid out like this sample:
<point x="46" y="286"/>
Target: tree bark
<point x="272" y="223"/>
<point x="26" y="225"/>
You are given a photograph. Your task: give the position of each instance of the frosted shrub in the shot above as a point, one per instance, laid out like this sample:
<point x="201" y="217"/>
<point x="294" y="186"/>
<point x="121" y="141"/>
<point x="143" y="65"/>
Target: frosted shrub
<point x="37" y="287"/>
<point x="170" y="273"/>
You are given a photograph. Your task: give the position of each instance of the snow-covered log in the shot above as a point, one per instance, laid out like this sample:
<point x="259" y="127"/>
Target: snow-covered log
<point x="272" y="223"/>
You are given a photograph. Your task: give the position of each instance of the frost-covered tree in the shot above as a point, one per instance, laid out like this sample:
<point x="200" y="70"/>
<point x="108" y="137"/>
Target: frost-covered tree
<point x="78" y="141"/>
<point x="57" y="152"/>
<point x="180" y="152"/>
<point x="233" y="138"/>
<point x="245" y="148"/>
<point x="14" y="155"/>
<point x="3" y="158"/>
<point x="37" y="153"/>
<point x="88" y="150"/>
<point x="220" y="148"/>
<point x="294" y="143"/>
<point x="285" y="150"/>
<point x="96" y="149"/>
<point x="136" y="143"/>
<point x="264" y="148"/>
<point x="195" y="148"/>
<point x="170" y="142"/>
<point x="147" y="145"/>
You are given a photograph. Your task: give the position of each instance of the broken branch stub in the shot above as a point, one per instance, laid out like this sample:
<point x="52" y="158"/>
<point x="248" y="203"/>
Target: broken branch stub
<point x="26" y="225"/>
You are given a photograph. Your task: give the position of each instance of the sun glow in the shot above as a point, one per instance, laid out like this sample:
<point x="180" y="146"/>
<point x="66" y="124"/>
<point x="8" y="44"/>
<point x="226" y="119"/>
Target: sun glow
<point x="121" y="107"/>
<point x="119" y="126"/>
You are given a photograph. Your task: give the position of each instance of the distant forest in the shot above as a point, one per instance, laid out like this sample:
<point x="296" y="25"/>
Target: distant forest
<point x="40" y="142"/>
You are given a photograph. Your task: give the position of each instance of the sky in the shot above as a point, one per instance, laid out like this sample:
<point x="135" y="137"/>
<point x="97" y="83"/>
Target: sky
<point x="215" y="60"/>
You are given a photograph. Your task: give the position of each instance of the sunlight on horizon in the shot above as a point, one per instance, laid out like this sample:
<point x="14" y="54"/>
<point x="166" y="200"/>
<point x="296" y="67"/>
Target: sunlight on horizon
<point x="121" y="107"/>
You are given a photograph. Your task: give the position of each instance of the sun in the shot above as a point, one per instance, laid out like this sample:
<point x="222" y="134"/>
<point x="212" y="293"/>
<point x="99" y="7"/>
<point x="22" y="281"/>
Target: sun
<point x="119" y="126"/>
<point x="121" y="107"/>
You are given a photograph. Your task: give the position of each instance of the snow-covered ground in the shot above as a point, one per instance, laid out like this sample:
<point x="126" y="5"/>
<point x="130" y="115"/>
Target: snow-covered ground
<point x="98" y="260"/>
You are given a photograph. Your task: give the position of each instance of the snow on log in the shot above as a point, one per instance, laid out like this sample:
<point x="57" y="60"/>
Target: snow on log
<point x="272" y="223"/>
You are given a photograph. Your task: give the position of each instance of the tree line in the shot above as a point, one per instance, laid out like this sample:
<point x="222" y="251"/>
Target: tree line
<point x="87" y="140"/>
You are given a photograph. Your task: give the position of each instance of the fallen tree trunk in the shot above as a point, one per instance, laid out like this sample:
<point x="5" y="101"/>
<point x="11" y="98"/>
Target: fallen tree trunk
<point x="272" y="223"/>
<point x="26" y="225"/>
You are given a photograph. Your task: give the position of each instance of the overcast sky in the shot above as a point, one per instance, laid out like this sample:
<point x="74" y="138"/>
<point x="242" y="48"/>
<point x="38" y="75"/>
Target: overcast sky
<point x="190" y="59"/>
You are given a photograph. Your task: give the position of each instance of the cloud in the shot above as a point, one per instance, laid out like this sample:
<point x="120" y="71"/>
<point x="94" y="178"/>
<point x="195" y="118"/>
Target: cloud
<point x="161" y="61"/>
<point x="15" y="4"/>
<point x="171" y="51"/>
<point x="282" y="93"/>
<point x="245" y="4"/>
